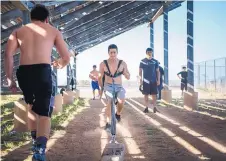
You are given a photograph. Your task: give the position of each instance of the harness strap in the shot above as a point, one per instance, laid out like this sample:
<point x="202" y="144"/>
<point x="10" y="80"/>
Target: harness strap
<point x="116" y="72"/>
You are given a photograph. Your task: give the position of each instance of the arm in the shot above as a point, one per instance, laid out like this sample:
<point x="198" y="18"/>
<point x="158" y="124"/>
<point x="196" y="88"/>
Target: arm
<point x="11" y="47"/>
<point x="140" y="76"/>
<point x="178" y="74"/>
<point x="163" y="71"/>
<point x="126" y="71"/>
<point x="141" y="73"/>
<point x="158" y="76"/>
<point x="90" y="75"/>
<point x="158" y="73"/>
<point x="62" y="50"/>
<point x="101" y="74"/>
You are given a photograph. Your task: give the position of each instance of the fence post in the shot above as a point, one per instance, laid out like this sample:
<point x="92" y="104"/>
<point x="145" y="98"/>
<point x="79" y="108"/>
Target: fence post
<point x="225" y="76"/>
<point x="214" y="66"/>
<point x="225" y="71"/>
<point x="205" y="75"/>
<point x="198" y="75"/>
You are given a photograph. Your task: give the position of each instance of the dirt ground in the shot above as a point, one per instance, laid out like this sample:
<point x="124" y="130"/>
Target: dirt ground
<point x="173" y="134"/>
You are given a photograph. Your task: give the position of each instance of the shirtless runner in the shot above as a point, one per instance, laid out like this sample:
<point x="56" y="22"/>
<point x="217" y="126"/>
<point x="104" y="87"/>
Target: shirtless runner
<point x="116" y="69"/>
<point x="94" y="77"/>
<point x="35" y="41"/>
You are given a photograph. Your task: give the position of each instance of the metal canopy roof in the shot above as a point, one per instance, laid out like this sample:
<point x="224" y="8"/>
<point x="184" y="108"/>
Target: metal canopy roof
<point x="84" y="24"/>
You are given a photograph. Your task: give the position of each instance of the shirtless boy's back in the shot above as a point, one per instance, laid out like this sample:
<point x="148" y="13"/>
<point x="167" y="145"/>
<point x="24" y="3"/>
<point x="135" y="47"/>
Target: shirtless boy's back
<point x="35" y="41"/>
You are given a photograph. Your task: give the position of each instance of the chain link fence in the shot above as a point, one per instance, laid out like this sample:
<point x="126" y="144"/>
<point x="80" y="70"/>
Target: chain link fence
<point x="211" y="75"/>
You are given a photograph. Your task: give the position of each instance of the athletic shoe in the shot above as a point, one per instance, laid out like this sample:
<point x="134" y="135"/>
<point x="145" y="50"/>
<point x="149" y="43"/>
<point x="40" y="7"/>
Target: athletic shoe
<point x="39" y="154"/>
<point x="146" y="110"/>
<point x="33" y="147"/>
<point x="107" y="126"/>
<point x="118" y="117"/>
<point x="154" y="109"/>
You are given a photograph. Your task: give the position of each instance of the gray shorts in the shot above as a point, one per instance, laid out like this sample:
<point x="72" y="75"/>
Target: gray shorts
<point x="119" y="91"/>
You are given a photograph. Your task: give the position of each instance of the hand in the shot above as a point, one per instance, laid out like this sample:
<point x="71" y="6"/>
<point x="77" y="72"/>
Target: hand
<point x="141" y="82"/>
<point x="12" y="85"/>
<point x="158" y="83"/>
<point x="127" y="75"/>
<point x="101" y="92"/>
<point x="57" y="64"/>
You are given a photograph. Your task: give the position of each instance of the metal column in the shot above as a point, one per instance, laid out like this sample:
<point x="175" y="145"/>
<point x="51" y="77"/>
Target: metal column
<point x="75" y="73"/>
<point x="214" y="70"/>
<point x="165" y="28"/>
<point x="26" y="17"/>
<point x="205" y="75"/>
<point x="68" y="77"/>
<point x="225" y="73"/>
<point x="56" y="80"/>
<point x="152" y="37"/>
<point x="190" y="47"/>
<point x="198" y="75"/>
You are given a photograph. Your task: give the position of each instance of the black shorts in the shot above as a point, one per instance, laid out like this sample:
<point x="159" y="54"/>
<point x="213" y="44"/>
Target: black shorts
<point x="35" y="81"/>
<point x="183" y="86"/>
<point x="150" y="88"/>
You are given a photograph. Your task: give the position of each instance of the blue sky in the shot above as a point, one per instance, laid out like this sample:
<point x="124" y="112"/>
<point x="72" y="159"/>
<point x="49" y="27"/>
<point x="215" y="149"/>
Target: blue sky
<point x="209" y="41"/>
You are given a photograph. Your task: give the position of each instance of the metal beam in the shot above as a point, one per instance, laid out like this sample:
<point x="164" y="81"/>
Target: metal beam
<point x="97" y="14"/>
<point x="190" y="47"/>
<point x="68" y="77"/>
<point x="75" y="72"/>
<point x="7" y="16"/>
<point x="114" y="20"/>
<point x="110" y="14"/>
<point x="72" y="17"/>
<point x="65" y="7"/>
<point x="165" y="35"/>
<point x="19" y="5"/>
<point x="124" y="23"/>
<point x="50" y="3"/>
<point x="106" y="37"/>
<point x="160" y="11"/>
<point x="152" y="37"/>
<point x="8" y="31"/>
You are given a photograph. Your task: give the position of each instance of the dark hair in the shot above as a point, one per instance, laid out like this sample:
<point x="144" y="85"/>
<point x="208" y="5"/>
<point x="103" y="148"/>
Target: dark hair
<point x="94" y="66"/>
<point x="149" y="49"/>
<point x="39" y="12"/>
<point x="183" y="67"/>
<point x="112" y="46"/>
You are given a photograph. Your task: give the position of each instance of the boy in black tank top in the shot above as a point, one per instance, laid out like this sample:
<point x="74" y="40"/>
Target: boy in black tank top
<point x="183" y="75"/>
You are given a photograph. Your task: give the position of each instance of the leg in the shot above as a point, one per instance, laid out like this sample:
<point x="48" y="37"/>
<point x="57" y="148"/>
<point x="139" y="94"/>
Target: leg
<point x="109" y="96"/>
<point x="32" y="125"/>
<point x="93" y="94"/>
<point x="186" y="86"/>
<point x="43" y="107"/>
<point x="99" y="93"/>
<point x="146" y="101"/>
<point x="154" y="92"/>
<point x="182" y="89"/>
<point x="31" y="119"/>
<point x="159" y="92"/>
<point x="121" y="100"/>
<point x="28" y="91"/>
<point x="108" y="111"/>
<point x="93" y="88"/>
<point x="154" y="99"/>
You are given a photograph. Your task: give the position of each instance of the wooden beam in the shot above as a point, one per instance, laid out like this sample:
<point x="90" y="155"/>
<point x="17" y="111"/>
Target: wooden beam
<point x="19" y="5"/>
<point x="160" y="11"/>
<point x="7" y="16"/>
<point x="5" y="33"/>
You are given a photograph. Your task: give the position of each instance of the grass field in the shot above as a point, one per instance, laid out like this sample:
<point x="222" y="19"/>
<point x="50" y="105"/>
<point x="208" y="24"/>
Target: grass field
<point x="10" y="139"/>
